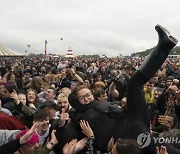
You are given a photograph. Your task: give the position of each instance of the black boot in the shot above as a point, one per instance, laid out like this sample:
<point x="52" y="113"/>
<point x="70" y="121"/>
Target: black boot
<point x="159" y="54"/>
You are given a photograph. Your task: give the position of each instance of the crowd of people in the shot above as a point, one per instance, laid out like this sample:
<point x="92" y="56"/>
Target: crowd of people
<point x="94" y="105"/>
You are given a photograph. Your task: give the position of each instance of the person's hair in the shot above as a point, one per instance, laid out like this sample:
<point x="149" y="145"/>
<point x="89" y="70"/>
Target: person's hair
<point x="18" y="71"/>
<point x="159" y="90"/>
<point x="170" y="78"/>
<point x="96" y="75"/>
<point x="98" y="93"/>
<point x="8" y="77"/>
<point x="65" y="88"/>
<point x="51" y="76"/>
<point x="36" y="83"/>
<point x="62" y="96"/>
<point x="54" y="91"/>
<point x="57" y="77"/>
<point x="99" y="84"/>
<point x="40" y="115"/>
<point x="80" y="87"/>
<point x="36" y="96"/>
<point x="46" y="86"/>
<point x="127" y="146"/>
<point x="21" y="93"/>
<point x="151" y="81"/>
<point x="11" y="87"/>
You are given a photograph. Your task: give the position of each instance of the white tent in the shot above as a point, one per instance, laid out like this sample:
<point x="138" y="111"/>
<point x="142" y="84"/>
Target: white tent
<point x="6" y="52"/>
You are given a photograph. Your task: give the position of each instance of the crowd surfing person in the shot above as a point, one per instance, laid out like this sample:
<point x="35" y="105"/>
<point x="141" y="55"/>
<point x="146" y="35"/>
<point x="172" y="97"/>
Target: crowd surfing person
<point x="133" y="121"/>
<point x="110" y="102"/>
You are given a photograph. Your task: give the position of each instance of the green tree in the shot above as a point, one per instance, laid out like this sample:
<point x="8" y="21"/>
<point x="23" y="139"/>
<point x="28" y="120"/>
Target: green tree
<point x="174" y="51"/>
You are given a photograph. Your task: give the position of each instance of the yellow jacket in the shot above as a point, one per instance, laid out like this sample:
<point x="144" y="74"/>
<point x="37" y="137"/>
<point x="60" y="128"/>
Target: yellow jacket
<point x="149" y="97"/>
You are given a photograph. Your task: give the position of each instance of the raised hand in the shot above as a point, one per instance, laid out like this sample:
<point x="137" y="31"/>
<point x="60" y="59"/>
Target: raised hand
<point x="167" y="121"/>
<point x="69" y="148"/>
<point x="81" y="144"/>
<point x="178" y="97"/>
<point x="111" y="144"/>
<point x="15" y="97"/>
<point x="53" y="141"/>
<point x="63" y="117"/>
<point x="172" y="88"/>
<point x="162" y="150"/>
<point x="72" y="71"/>
<point x="53" y="137"/>
<point x="176" y="81"/>
<point x="86" y="129"/>
<point x="29" y="134"/>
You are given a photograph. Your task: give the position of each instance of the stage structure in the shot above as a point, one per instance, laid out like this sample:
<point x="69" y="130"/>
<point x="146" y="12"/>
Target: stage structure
<point x="69" y="53"/>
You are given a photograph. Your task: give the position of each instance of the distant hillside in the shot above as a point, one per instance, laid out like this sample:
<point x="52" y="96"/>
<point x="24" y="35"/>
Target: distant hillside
<point x="174" y="51"/>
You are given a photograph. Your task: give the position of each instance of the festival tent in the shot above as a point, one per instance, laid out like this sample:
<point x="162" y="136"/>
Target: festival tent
<point x="6" y="52"/>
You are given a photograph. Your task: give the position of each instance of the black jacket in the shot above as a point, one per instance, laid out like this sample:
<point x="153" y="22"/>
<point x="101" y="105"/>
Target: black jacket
<point x="10" y="147"/>
<point x="101" y="117"/>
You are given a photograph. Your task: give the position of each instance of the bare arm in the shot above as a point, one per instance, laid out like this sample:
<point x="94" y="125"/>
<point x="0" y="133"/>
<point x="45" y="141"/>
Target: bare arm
<point x="113" y="91"/>
<point x="78" y="78"/>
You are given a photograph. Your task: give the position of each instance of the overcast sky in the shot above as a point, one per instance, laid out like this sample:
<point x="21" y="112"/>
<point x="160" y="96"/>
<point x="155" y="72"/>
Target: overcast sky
<point x="110" y="27"/>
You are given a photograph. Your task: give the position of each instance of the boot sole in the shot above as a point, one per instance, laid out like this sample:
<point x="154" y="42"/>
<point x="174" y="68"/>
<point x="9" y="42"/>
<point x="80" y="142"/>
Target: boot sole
<point x="167" y="33"/>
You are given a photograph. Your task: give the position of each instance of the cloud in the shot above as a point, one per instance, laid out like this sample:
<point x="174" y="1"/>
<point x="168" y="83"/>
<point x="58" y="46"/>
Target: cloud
<point x="88" y="27"/>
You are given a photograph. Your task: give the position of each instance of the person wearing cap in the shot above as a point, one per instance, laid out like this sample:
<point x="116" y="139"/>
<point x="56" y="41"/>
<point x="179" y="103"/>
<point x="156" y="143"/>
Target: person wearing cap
<point x="51" y="108"/>
<point x="27" y="142"/>
<point x="23" y="142"/>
